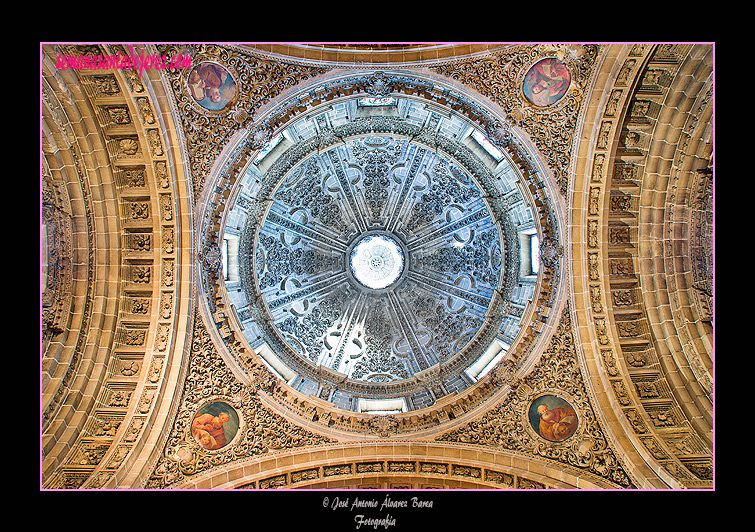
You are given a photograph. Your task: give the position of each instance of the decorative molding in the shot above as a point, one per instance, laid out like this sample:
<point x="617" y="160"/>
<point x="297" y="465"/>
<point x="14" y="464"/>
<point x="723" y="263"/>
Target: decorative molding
<point x="506" y="425"/>
<point x="138" y="160"/>
<point x="261" y="430"/>
<point x="408" y="474"/>
<point x="621" y="324"/>
<point x="500" y="77"/>
<point x="257" y="80"/>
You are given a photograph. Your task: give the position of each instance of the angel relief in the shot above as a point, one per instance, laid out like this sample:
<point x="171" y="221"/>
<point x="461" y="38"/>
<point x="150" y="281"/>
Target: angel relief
<point x="211" y="86"/>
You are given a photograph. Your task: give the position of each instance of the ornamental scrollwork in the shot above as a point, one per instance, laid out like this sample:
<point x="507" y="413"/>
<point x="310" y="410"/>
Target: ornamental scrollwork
<point x="57" y="224"/>
<point x="260" y="430"/>
<point x="257" y="81"/>
<point x="308" y="194"/>
<point x="508" y="426"/>
<point x="499" y="77"/>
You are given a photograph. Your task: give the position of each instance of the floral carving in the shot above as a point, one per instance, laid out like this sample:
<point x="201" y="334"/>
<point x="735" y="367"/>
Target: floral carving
<point x="279" y="261"/>
<point x="481" y="258"/>
<point x="310" y="329"/>
<point x="258" y="80"/>
<point x="379" y="364"/>
<point x="376" y="163"/>
<point x="263" y="431"/>
<point x="506" y="426"/>
<point x="499" y="78"/>
<point x="307" y="193"/>
<point x="445" y="188"/>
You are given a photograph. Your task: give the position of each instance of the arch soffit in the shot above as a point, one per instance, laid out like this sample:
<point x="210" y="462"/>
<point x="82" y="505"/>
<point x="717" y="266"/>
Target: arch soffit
<point x="132" y="144"/>
<point x="604" y="163"/>
<point x="354" y="464"/>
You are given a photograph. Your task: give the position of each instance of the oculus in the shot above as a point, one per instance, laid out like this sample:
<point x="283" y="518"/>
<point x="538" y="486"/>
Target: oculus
<point x="376" y="261"/>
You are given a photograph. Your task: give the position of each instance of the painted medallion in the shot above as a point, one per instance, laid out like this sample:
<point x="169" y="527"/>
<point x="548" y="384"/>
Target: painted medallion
<point x="211" y="86"/>
<point x="215" y="425"/>
<point x="553" y="418"/>
<point x="546" y="82"/>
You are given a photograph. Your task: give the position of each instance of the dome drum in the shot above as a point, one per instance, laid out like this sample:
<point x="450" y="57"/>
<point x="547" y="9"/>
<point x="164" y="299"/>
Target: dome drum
<point x="448" y="211"/>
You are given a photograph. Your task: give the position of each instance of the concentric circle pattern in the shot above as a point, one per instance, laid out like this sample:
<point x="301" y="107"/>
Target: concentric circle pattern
<point x="324" y="265"/>
<point x="377" y="259"/>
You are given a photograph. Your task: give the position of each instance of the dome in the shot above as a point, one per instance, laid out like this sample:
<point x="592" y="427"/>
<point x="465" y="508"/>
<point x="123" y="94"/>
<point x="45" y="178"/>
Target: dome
<point x="384" y="255"/>
<point x="394" y="279"/>
<point x="377" y="266"/>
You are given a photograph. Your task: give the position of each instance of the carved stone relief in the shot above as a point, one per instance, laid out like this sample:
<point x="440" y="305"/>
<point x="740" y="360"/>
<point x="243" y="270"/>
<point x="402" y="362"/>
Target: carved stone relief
<point x="508" y="425"/>
<point x="282" y="264"/>
<point x="260" y="430"/>
<point x="629" y="357"/>
<point x="500" y="78"/>
<point x="257" y="80"/>
<point x="122" y="115"/>
<point x="329" y="167"/>
<point x="312" y="225"/>
<point x="57" y="224"/>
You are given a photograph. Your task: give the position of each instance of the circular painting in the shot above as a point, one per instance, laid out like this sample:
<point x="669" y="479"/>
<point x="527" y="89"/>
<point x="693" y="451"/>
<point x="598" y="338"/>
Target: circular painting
<point x="215" y="425"/>
<point x="211" y="86"/>
<point x="553" y="418"/>
<point x="546" y="82"/>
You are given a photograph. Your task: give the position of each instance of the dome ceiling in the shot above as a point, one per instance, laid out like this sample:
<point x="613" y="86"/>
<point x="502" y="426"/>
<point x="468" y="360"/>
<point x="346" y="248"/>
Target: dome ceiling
<point x="379" y="272"/>
<point x="343" y="221"/>
<point x="384" y="252"/>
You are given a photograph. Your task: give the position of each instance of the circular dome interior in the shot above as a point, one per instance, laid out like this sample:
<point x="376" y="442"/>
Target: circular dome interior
<point x="375" y="264"/>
